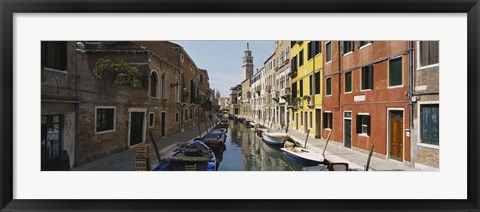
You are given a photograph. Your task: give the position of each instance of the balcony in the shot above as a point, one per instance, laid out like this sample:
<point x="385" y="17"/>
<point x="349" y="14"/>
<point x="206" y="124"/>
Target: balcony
<point x="292" y="73"/>
<point x="310" y="101"/>
<point x="268" y="88"/>
<point x="300" y="103"/>
<point x="284" y="92"/>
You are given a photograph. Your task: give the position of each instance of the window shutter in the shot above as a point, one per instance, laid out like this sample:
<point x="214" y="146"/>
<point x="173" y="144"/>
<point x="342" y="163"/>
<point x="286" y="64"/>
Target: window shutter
<point x="342" y="47"/>
<point x="359" y="124"/>
<point x="368" y="124"/>
<point x="352" y="45"/>
<point x="359" y="43"/>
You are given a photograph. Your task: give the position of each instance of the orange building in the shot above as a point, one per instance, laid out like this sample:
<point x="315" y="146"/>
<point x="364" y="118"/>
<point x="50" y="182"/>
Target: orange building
<point x="365" y="98"/>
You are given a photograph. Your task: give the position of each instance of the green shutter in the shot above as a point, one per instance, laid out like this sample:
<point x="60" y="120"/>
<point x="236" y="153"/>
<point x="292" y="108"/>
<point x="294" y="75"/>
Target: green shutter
<point x="395" y="72"/>
<point x="370" y="76"/>
<point x="368" y="124"/>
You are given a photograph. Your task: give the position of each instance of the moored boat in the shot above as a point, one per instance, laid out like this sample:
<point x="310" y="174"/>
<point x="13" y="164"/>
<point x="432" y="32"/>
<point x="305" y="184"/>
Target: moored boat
<point x="215" y="140"/>
<point x="275" y="138"/>
<point x="304" y="156"/>
<point x="194" y="157"/>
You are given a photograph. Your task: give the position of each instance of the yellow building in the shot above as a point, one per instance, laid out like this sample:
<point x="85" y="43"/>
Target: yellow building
<point x="306" y="74"/>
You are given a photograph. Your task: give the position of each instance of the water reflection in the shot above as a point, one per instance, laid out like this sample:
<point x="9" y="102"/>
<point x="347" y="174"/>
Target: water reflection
<point x="245" y="151"/>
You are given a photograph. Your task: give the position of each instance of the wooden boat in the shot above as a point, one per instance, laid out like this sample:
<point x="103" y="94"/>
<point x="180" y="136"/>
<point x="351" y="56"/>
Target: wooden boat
<point x="215" y="140"/>
<point x="304" y="156"/>
<point x="194" y="157"/>
<point x="275" y="138"/>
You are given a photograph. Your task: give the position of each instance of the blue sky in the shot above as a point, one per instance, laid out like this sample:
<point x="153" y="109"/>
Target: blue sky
<point x="223" y="59"/>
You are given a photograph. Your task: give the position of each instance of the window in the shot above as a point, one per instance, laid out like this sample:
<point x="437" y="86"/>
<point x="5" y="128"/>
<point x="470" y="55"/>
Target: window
<point x="317" y="83"/>
<point x="327" y="120"/>
<point x="186" y="114"/>
<point x="348" y="81"/>
<point x="310" y="80"/>
<point x="314" y="48"/>
<point x="328" y="56"/>
<point x="363" y="124"/>
<point x="428" y="52"/>
<point x="164" y="87"/>
<point x="429" y="124"/>
<point x="293" y="63"/>
<point x="395" y="72"/>
<point x="329" y="86"/>
<point x="347" y="46"/>
<point x="301" y="88"/>
<point x="176" y="117"/>
<point x="105" y="119"/>
<point x="300" y="58"/>
<point x="191" y="113"/>
<point x="153" y="84"/>
<point x="151" y="119"/>
<point x="363" y="43"/>
<point x="201" y="77"/>
<point x="54" y="54"/>
<point x="367" y="77"/>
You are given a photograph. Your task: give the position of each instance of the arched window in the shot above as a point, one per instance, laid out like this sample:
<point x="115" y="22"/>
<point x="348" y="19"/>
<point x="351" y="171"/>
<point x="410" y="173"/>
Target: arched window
<point x="201" y="77"/>
<point x="164" y="87"/>
<point x="153" y="84"/>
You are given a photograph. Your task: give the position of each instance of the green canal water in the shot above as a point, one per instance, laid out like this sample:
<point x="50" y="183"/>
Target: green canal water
<point x="245" y="151"/>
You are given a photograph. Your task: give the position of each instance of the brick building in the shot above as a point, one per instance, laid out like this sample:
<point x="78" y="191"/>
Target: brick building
<point x="365" y="98"/>
<point x="124" y="90"/>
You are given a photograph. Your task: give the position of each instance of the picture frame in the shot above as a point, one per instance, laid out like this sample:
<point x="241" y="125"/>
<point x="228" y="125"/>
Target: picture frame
<point x="9" y="8"/>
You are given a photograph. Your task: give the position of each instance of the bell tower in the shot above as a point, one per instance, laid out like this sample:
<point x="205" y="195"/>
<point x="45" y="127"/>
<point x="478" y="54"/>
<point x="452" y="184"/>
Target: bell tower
<point x="247" y="64"/>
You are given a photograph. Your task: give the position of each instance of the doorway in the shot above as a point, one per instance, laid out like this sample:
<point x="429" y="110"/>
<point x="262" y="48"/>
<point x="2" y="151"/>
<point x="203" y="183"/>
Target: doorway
<point x="395" y="129"/>
<point x="347" y="129"/>
<point x="305" y="122"/>
<point x="296" y="122"/>
<point x="51" y="142"/>
<point x="136" y="127"/>
<point x="318" y="121"/>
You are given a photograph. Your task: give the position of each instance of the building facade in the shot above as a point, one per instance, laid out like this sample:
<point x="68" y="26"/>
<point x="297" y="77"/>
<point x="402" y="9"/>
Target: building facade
<point x="256" y="91"/>
<point x="426" y="101"/>
<point x="124" y="91"/>
<point x="269" y="90"/>
<point x="366" y="100"/>
<point x="306" y="71"/>
<point x="282" y="83"/>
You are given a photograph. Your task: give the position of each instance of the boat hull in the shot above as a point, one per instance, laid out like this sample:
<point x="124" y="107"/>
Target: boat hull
<point x="169" y="165"/>
<point x="274" y="140"/>
<point x="300" y="160"/>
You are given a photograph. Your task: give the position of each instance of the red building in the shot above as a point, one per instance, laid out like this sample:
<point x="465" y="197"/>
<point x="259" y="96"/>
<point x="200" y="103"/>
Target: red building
<point x="366" y="96"/>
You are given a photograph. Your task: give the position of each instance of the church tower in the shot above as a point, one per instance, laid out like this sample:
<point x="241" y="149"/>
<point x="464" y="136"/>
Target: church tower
<point x="247" y="64"/>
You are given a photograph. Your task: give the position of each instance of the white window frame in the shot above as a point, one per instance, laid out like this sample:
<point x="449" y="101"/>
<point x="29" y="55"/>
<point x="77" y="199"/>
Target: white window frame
<point x="151" y="125"/>
<point x="114" y="119"/>
<point x="420" y="67"/>
<point x="366" y="45"/>
<point x="331" y="52"/>
<point x="345" y="84"/>
<point x="361" y="81"/>
<point x="388" y="73"/>
<point x="326" y="84"/>
<point x="351" y="51"/>
<point x="329" y="129"/>
<point x="365" y="134"/>
<point x="419" y="137"/>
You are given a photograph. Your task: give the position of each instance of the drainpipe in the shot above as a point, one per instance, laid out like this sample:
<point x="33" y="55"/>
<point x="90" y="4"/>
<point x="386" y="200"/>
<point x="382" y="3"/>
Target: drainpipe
<point x="79" y="49"/>
<point x="410" y="81"/>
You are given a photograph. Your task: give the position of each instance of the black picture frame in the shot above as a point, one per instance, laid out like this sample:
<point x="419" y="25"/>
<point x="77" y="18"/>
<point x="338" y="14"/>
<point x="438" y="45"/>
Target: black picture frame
<point x="9" y="7"/>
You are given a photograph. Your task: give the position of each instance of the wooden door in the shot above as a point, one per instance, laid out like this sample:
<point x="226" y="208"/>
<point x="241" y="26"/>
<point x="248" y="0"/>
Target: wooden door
<point x="136" y="128"/>
<point x="347" y="133"/>
<point x="396" y="135"/>
<point x="51" y="143"/>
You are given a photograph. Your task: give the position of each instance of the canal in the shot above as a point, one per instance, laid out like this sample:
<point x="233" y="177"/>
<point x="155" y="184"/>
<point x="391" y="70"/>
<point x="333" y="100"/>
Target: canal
<point x="245" y="151"/>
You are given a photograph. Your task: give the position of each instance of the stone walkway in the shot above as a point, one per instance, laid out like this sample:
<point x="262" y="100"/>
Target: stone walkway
<point x="337" y="153"/>
<point x="125" y="161"/>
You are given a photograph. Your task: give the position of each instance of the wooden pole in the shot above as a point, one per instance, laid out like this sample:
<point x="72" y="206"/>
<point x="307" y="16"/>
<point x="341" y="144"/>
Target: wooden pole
<point x="326" y="143"/>
<point x="369" y="157"/>
<point x="155" y="146"/>
<point x="306" y="139"/>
